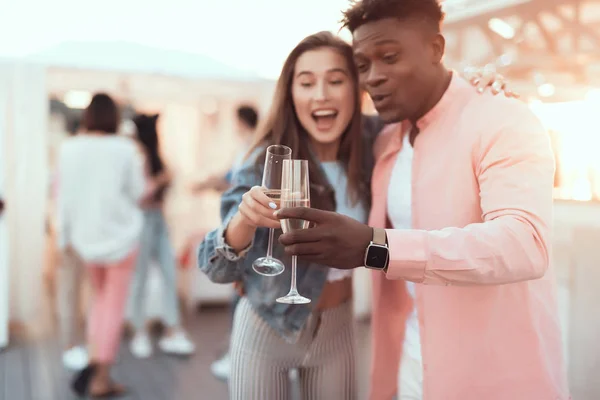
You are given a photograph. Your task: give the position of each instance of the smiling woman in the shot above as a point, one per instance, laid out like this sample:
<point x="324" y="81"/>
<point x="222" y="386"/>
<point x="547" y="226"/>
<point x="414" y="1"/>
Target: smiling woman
<point x="322" y="92"/>
<point x="318" y="88"/>
<point x="316" y="112"/>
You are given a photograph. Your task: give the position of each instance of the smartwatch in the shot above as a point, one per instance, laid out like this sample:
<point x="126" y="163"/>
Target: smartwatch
<point x="378" y="253"/>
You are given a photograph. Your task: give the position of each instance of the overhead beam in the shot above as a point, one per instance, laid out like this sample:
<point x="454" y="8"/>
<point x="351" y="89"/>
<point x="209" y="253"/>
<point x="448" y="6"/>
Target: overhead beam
<point x="494" y="39"/>
<point x="548" y="38"/>
<point x="576" y="26"/>
<point x="524" y="7"/>
<point x="490" y="8"/>
<point x="573" y="61"/>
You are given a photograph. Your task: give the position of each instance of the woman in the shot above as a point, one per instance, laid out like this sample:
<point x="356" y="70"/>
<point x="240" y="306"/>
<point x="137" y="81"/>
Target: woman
<point x="155" y="244"/>
<point x="101" y="179"/>
<point x="316" y="111"/>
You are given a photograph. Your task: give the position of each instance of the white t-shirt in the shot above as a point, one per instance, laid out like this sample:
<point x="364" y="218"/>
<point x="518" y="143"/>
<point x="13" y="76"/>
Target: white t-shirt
<point x="100" y="182"/>
<point x="336" y="175"/>
<point x="400" y="215"/>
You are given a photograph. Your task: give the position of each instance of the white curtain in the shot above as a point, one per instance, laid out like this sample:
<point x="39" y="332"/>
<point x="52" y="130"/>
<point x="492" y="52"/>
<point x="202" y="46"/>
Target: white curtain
<point x="23" y="123"/>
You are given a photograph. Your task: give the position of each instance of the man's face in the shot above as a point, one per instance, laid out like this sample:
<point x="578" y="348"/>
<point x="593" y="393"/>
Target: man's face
<point x="396" y="60"/>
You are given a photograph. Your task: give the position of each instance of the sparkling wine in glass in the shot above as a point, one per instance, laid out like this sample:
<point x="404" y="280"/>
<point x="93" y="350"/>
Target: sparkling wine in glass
<point x="272" y="178"/>
<point x="295" y="192"/>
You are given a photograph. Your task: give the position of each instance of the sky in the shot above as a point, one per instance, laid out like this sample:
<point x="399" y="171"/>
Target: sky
<point x="254" y="35"/>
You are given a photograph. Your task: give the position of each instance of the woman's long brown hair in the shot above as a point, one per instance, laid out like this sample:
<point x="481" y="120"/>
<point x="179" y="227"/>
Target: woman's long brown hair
<point x="283" y="127"/>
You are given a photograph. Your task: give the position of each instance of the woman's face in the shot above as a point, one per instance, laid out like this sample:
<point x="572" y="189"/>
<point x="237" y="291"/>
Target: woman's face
<point x="323" y="95"/>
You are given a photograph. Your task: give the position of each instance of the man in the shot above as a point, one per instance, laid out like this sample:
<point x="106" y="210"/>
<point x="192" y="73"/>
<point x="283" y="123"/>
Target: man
<point x="466" y="181"/>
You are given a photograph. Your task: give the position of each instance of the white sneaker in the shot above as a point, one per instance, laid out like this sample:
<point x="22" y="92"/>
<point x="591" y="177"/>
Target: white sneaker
<point x="222" y="367"/>
<point x="140" y="346"/>
<point x="75" y="359"/>
<point x="177" y="344"/>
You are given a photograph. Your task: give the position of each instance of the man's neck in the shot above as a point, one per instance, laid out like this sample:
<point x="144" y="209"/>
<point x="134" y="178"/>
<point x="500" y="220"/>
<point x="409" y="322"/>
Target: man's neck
<point x="442" y="82"/>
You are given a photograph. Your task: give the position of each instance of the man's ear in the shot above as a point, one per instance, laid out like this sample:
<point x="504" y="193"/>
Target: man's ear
<point x="438" y="48"/>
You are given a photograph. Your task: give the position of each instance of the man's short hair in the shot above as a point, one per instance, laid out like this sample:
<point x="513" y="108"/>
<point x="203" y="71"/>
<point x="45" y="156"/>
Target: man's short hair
<point x="365" y="11"/>
<point x="248" y="115"/>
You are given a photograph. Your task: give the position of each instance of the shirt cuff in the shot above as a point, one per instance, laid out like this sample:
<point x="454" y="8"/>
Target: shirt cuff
<point x="227" y="251"/>
<point x="408" y="254"/>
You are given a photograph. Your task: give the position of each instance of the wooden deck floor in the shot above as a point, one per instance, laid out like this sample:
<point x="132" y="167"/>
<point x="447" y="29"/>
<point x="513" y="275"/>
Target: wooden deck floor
<point x="32" y="370"/>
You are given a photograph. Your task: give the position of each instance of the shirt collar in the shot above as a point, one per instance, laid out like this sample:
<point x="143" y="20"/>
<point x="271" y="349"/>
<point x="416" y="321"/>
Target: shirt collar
<point x="456" y="84"/>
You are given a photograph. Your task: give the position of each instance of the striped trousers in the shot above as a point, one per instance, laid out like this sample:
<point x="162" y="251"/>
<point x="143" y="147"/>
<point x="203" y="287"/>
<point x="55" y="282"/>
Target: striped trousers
<point x="324" y="356"/>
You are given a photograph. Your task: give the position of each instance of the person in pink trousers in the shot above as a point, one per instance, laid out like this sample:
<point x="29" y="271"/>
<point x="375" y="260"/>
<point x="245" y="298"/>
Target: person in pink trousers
<point x="459" y="232"/>
<point x="100" y="184"/>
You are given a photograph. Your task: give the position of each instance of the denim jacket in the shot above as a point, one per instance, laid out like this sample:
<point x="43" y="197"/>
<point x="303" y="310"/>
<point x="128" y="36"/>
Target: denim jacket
<point x="223" y="265"/>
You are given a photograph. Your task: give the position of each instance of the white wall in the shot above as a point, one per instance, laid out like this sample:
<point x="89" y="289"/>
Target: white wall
<point x="24" y="117"/>
<point x="576" y="250"/>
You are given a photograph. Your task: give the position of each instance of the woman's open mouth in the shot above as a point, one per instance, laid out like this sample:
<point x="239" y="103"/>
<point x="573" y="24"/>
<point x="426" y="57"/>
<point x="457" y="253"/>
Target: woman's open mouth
<point x="325" y="118"/>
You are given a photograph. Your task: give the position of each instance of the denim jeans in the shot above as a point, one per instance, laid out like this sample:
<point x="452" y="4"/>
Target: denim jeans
<point x="155" y="245"/>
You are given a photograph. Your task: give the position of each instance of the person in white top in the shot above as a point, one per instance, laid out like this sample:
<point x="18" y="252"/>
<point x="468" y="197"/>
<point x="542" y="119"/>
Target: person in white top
<point x="100" y="183"/>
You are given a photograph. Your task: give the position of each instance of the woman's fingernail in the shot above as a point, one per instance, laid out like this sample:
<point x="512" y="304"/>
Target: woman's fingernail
<point x="273" y="205"/>
<point x="480" y="90"/>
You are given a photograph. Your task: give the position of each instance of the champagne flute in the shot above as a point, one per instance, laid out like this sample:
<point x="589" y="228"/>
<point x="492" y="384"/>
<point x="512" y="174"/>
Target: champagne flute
<point x="276" y="154"/>
<point x="295" y="192"/>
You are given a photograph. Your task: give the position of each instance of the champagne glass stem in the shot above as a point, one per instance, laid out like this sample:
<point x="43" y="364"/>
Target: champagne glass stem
<point x="294" y="266"/>
<point x="270" y="246"/>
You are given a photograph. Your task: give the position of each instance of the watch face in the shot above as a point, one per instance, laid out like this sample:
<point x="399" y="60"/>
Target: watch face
<point x="377" y="256"/>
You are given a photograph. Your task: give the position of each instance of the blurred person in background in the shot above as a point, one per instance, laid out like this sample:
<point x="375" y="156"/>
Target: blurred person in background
<point x="100" y="183"/>
<point x="155" y="246"/>
<point x="316" y="112"/>
<point x="247" y="121"/>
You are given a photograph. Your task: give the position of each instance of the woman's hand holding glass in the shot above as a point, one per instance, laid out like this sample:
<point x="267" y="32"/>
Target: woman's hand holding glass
<point x="257" y="208"/>
<point x="255" y="211"/>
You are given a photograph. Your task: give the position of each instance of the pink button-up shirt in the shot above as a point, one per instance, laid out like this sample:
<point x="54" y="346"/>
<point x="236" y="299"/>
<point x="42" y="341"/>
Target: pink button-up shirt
<point x="482" y="216"/>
